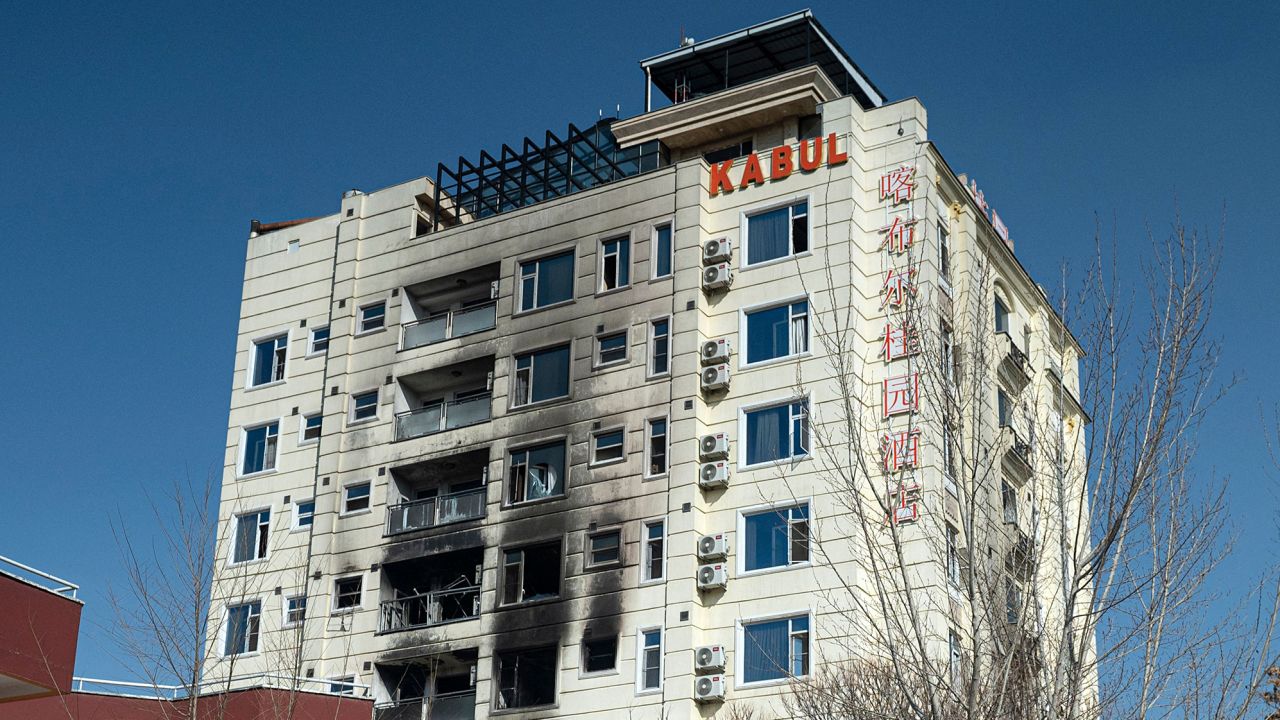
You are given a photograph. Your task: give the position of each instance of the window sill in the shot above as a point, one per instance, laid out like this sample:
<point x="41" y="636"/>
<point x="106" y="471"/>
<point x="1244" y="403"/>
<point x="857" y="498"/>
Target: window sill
<point x="315" y="354"/>
<point x="257" y="474"/>
<point x="610" y="364"/>
<point x="649" y="691"/>
<point x="776" y="569"/>
<point x="531" y="603"/>
<point x="781" y="359"/>
<point x="659" y="476"/>
<point x="263" y="386"/>
<point x="767" y="683"/>
<point x="515" y="710"/>
<point x="354" y="513"/>
<point x="773" y="463"/>
<point x="660" y="278"/>
<point x="540" y="403"/>
<point x="540" y="308"/>
<point x="346" y="611"/>
<point x="527" y="503"/>
<point x="766" y="263"/>
<point x="612" y="291"/>
<point x="614" y="565"/>
<point x="304" y="443"/>
<point x="658" y="376"/>
<point x="238" y="656"/>
<point x="370" y="331"/>
<point x="303" y="528"/>
<point x="246" y="563"/>
<point x="606" y="463"/>
<point x="651" y="582"/>
<point x="597" y="674"/>
<point x="362" y="421"/>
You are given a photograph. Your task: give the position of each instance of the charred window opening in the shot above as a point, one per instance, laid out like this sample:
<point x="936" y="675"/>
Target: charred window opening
<point x="346" y="593"/>
<point x="736" y="150"/>
<point x="615" y="263"/>
<point x="537" y="472"/>
<point x="599" y="655"/>
<point x="531" y="573"/>
<point x="526" y="678"/>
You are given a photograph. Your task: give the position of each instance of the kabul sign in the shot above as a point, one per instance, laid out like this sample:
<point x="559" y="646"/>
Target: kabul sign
<point x="780" y="161"/>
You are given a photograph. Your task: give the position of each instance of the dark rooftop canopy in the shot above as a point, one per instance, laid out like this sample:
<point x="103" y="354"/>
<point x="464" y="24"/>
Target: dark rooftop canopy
<point x="787" y="43"/>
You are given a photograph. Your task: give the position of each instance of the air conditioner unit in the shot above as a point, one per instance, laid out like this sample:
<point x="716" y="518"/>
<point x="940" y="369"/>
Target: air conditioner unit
<point x="716" y="351"/>
<point x="709" y="658"/>
<point x="713" y="475"/>
<point x="713" y="447"/>
<point x="717" y="250"/>
<point x="716" y="276"/>
<point x="711" y="577"/>
<point x="709" y="689"/>
<point x="715" y="377"/>
<point x="713" y="547"/>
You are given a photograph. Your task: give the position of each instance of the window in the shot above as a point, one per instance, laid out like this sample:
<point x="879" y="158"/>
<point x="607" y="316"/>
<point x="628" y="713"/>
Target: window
<point x="778" y="332"/>
<point x="657" y="447"/>
<point x="649" y="660"/>
<point x="947" y="359"/>
<point x="599" y="655"/>
<point x="1009" y="502"/>
<point x="541" y="376"/>
<point x="243" y="623"/>
<point x="343" y="685"/>
<point x="537" y="472"/>
<point x="269" y="360"/>
<point x="954" y="658"/>
<point x="953" y="555"/>
<point x="295" y="610"/>
<point x="662" y="251"/>
<point x="944" y="252"/>
<point x="615" y="263"/>
<point x="311" y="428"/>
<point x="546" y="281"/>
<point x="810" y="127"/>
<point x="735" y="150"/>
<point x="319" y="342"/>
<point x="949" y="455"/>
<point x="776" y="433"/>
<point x="252" y="532"/>
<point x="1012" y="601"/>
<point x="1002" y="316"/>
<point x="347" y="592"/>
<point x="606" y="447"/>
<point x="260" y="449"/>
<point x="611" y="349"/>
<point x="654" y="539"/>
<point x="777" y="537"/>
<point x="355" y="498"/>
<point x="364" y="406"/>
<point x="1004" y="408"/>
<point x="775" y="649"/>
<point x="604" y="548"/>
<point x="373" y="317"/>
<point x="526" y="678"/>
<point x="777" y="233"/>
<point x="531" y="573"/>
<point x="660" y="347"/>
<point x="304" y="513"/>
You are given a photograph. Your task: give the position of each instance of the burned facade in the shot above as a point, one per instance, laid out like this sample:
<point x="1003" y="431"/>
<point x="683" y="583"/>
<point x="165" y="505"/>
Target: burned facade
<point x="536" y="434"/>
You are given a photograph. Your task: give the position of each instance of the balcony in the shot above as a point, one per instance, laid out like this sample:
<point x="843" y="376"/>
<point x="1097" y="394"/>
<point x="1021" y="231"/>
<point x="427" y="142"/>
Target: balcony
<point x="431" y="512"/>
<point x="444" y="399"/>
<point x="438" y="491"/>
<point x="446" y="706"/>
<point x="434" y="687"/>
<point x="431" y="591"/>
<point x="1015" y="369"/>
<point x="450" y="307"/>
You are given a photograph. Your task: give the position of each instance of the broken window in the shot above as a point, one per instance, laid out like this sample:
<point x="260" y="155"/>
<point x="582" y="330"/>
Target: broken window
<point x="346" y="593"/>
<point x="604" y="548"/>
<point x="599" y="654"/>
<point x="252" y="531"/>
<point x="526" y="678"/>
<point x="537" y="472"/>
<point x="531" y="573"/>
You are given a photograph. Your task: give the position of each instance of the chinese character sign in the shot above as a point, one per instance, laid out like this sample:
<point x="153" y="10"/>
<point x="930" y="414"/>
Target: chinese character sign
<point x="898" y="285"/>
<point x="899" y="341"/>
<point x="901" y="394"/>
<point x="901" y="450"/>
<point x="904" y="503"/>
<point x="900" y="235"/>
<point x="899" y="184"/>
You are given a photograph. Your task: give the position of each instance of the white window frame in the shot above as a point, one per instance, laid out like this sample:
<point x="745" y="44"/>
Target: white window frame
<point x="597" y="363"/>
<point x="285" y="622"/>
<point x="648" y="447"/>
<point x="226" y="629"/>
<point x="587" y="563"/>
<point x="235" y="536"/>
<point x="952" y="538"/>
<point x="347" y="488"/>
<point x="603" y="258"/>
<point x="518" y="293"/>
<point x="669" y="222"/>
<point x="302" y="428"/>
<point x="244" y="447"/>
<point x="955" y="657"/>
<point x="294" y="525"/>
<point x="740" y="657"/>
<point x="945" y="257"/>
<point x="522" y="548"/>
<point x="377" y="407"/>
<point x="764" y="405"/>
<point x="563" y="440"/>
<point x="948" y="452"/>
<point x="360" y="328"/>
<point x="515" y="372"/>
<point x="594" y="461"/>
<point x="349" y="681"/>
<point x="791" y="340"/>
<point x="650" y="343"/>
<point x="644" y="550"/>
<point x="768" y="206"/>
<point x="311" y="341"/>
<point x="253" y="358"/>
<point x="640" y="650"/>
<point x="773" y="507"/>
<point x="582" y="657"/>
<point x="333" y="596"/>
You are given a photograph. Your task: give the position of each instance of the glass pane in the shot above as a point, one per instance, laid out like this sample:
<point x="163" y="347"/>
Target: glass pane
<point x="767" y="235"/>
<point x="474" y="319"/>
<point x="766" y="541"/>
<point x="263" y="355"/>
<point x="605" y="548"/>
<point x="767" y="434"/>
<point x="551" y="374"/>
<point x="555" y="279"/>
<point x="768" y="334"/>
<point x="428" y="331"/>
<point x="546" y="471"/>
<point x="766" y="651"/>
<point x="662" y="252"/>
<point x="624" y="262"/>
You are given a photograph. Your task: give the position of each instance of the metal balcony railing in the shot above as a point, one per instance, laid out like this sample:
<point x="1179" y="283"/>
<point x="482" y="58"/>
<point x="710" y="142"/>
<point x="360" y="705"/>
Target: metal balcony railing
<point x="450" y="324"/>
<point x="429" y="512"/>
<point x="445" y="706"/>
<point x="52" y="583"/>
<point x="443" y="416"/>
<point x="431" y="608"/>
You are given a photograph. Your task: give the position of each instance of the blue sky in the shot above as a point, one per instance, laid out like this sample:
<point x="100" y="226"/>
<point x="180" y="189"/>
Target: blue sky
<point x="138" y="140"/>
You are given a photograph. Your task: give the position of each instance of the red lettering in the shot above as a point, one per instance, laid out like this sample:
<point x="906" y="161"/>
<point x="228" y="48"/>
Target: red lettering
<point x="833" y="156"/>
<point x="780" y="165"/>
<point x="807" y="163"/>
<point x="752" y="173"/>
<point x="720" y="178"/>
